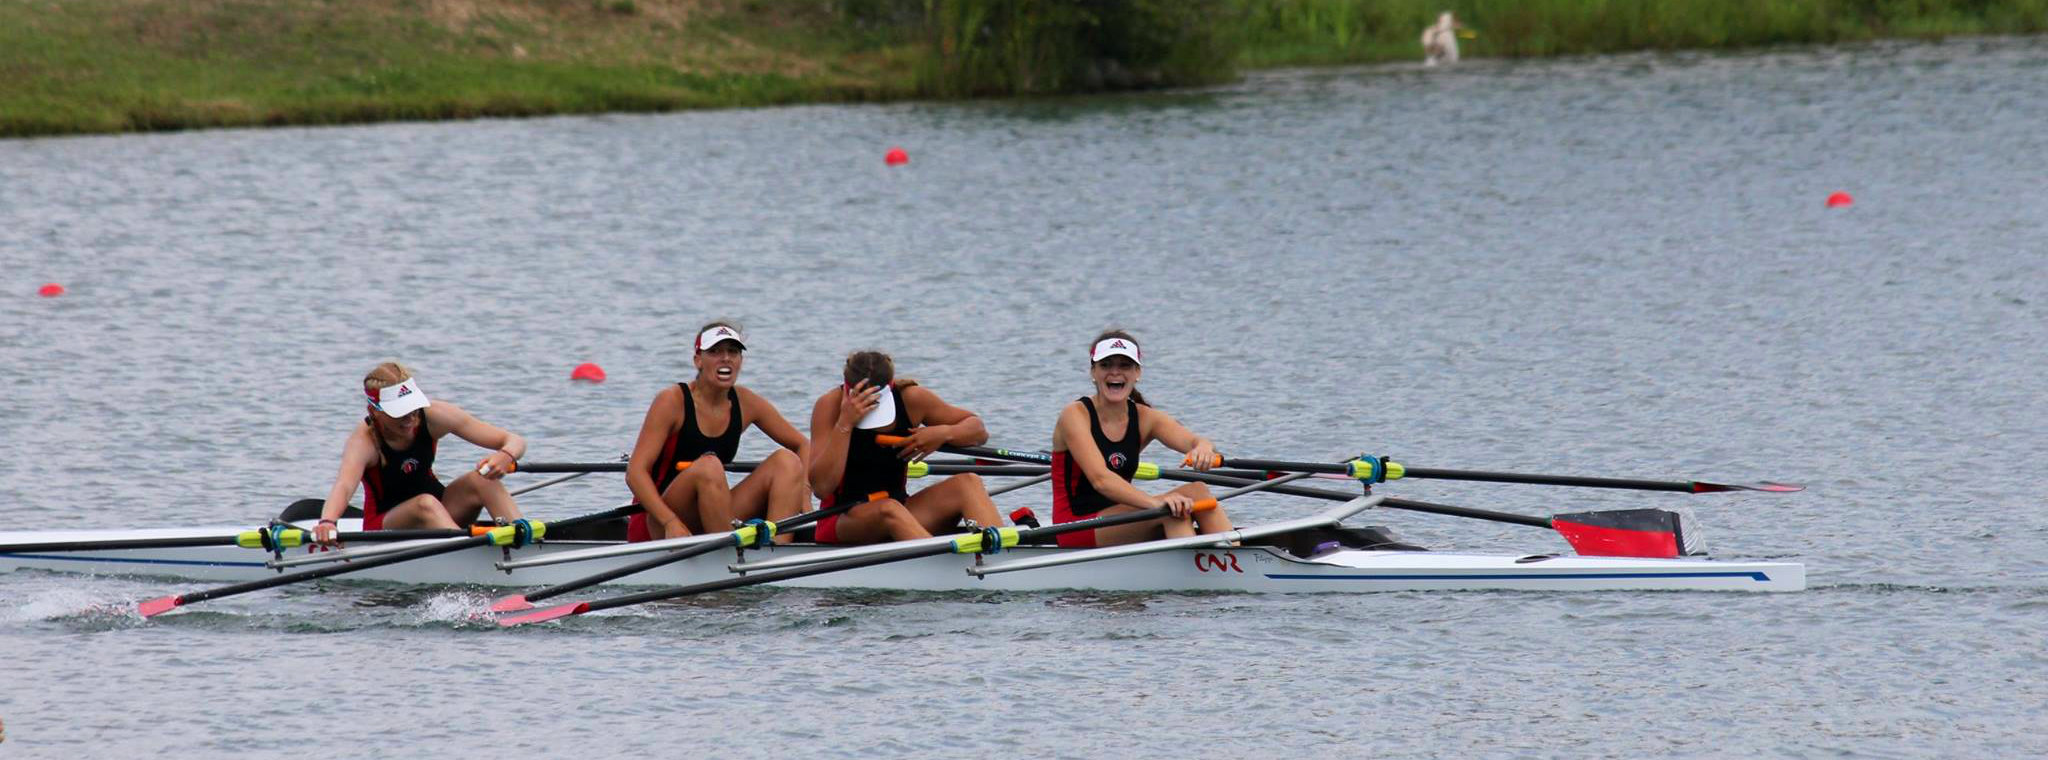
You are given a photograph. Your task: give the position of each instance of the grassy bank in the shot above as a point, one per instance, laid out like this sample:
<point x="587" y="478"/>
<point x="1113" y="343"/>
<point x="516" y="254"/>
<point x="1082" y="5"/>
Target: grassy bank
<point x="73" y="66"/>
<point x="115" y="65"/>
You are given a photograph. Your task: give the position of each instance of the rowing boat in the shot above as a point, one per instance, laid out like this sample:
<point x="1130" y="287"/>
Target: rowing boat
<point x="1321" y="559"/>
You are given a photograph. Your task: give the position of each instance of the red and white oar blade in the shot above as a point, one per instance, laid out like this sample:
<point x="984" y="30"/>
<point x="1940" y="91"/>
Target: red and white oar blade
<point x="1621" y="533"/>
<point x="545" y="614"/>
<point x="1765" y="486"/>
<point x="513" y="603"/>
<point x="155" y="607"/>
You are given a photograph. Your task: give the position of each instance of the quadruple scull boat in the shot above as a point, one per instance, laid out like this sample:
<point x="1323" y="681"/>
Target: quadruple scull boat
<point x="1315" y="555"/>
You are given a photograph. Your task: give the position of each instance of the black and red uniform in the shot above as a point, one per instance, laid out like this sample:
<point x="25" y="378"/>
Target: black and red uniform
<point x="1073" y="497"/>
<point x="402" y="475"/>
<point x="687" y="445"/>
<point x="870" y="467"/>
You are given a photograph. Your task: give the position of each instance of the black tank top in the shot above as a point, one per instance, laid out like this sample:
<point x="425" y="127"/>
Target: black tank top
<point x="872" y="467"/>
<point x="402" y="475"/>
<point x="1071" y="483"/>
<point x="689" y="443"/>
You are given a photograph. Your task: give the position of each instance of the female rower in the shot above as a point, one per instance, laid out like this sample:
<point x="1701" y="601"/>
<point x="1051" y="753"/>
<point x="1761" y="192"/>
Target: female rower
<point x="391" y="454"/>
<point x="700" y="422"/>
<point x="1095" y="448"/>
<point x="848" y="465"/>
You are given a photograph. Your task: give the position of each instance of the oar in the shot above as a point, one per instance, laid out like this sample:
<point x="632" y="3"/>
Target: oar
<point x="983" y="452"/>
<point x="283" y="537"/>
<point x="1610" y="533"/>
<point x="916" y="470"/>
<point x="519" y="533"/>
<point x="986" y="540"/>
<point x="752" y="534"/>
<point x="1376" y="469"/>
<point x="1237" y="535"/>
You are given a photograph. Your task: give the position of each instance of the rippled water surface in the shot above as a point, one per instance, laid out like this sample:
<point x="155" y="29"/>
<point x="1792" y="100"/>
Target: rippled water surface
<point x="1616" y="266"/>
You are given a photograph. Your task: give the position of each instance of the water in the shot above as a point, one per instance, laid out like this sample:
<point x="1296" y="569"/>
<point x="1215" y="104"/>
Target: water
<point x="1612" y="266"/>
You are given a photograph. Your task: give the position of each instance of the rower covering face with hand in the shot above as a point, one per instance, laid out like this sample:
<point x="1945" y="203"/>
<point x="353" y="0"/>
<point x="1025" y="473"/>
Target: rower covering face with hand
<point x="1095" y="448"/>
<point x="699" y="424"/>
<point x="848" y="464"/>
<point x="391" y="455"/>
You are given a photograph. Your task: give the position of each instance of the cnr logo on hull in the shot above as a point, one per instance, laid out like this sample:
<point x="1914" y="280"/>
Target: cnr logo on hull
<point x="1217" y="563"/>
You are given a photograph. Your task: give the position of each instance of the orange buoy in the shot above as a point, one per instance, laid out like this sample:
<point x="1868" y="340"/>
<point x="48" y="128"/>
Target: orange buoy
<point x="1840" y="199"/>
<point x="896" y="157"/>
<point x="587" y="372"/>
<point x="50" y="290"/>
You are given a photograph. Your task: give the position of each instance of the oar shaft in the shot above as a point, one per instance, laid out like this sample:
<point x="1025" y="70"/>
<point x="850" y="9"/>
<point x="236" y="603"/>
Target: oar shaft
<point x="937" y="468"/>
<point x="1550" y="480"/>
<point x="673" y="557"/>
<point x="382" y="560"/>
<point x="1407" y="504"/>
<point x="545" y="483"/>
<point x="852" y="563"/>
<point x="189" y="541"/>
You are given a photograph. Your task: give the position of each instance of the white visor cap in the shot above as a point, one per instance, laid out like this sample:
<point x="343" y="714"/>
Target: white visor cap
<point x="399" y="400"/>
<point x="711" y="336"/>
<point x="1108" y="347"/>
<point x="884" y="413"/>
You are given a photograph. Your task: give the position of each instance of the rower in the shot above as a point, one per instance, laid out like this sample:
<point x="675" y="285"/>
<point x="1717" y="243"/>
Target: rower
<point x="1095" y="448"/>
<point x="847" y="464"/>
<point x="700" y="423"/>
<point x="391" y="455"/>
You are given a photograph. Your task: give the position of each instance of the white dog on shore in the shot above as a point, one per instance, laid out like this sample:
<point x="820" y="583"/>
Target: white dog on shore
<point x="1440" y="42"/>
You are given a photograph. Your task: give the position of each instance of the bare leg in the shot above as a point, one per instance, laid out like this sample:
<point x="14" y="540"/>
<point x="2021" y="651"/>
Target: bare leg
<point x="1166" y="527"/>
<point x="472" y="492"/>
<point x="775" y="491"/>
<point x="940" y="507"/>
<point x="877" y="521"/>
<point x="422" y="511"/>
<point x="1208" y="521"/>
<point x="699" y="497"/>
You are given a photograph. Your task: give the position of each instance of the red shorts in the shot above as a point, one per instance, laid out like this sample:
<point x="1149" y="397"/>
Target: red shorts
<point x="637" y="530"/>
<point x="825" y="531"/>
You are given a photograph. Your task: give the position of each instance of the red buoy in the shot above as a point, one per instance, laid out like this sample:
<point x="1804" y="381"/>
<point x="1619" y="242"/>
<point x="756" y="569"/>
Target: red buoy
<point x="896" y="157"/>
<point x="50" y="290"/>
<point x="1840" y="199"/>
<point x="587" y="372"/>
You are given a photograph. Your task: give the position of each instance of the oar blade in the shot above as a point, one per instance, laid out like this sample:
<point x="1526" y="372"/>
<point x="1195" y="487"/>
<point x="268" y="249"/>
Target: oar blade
<point x="1765" y="486"/>
<point x="513" y="603"/>
<point x="159" y="606"/>
<point x="1621" y="533"/>
<point x="545" y="614"/>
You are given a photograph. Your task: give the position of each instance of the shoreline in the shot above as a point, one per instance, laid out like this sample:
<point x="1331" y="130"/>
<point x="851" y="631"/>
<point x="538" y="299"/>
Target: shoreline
<point x="80" y="67"/>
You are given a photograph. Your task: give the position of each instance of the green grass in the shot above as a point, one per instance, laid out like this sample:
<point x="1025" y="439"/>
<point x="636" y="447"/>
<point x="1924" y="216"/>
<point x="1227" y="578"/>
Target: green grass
<point x="78" y="66"/>
<point x="70" y="66"/>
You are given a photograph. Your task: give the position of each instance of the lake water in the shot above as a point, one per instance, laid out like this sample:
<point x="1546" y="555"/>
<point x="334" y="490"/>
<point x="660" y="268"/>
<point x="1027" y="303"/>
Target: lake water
<point x="1605" y="266"/>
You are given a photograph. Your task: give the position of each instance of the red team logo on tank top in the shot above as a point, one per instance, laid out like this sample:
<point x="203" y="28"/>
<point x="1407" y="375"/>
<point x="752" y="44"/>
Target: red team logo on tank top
<point x="1116" y="460"/>
<point x="408" y="466"/>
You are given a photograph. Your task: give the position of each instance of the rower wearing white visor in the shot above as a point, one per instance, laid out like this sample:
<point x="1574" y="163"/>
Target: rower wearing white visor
<point x="848" y="464"/>
<point x="391" y="455"/>
<point x="1095" y="450"/>
<point x="700" y="422"/>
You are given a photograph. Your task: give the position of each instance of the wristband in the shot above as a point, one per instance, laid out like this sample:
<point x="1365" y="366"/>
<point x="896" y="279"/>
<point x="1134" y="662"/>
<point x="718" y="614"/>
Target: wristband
<point x="328" y="522"/>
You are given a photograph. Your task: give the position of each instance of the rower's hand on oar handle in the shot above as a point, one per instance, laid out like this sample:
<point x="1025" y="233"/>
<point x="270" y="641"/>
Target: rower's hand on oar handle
<point x="919" y="444"/>
<point x="327" y="534"/>
<point x="496" y="465"/>
<point x="1202" y="458"/>
<point x="1183" y="505"/>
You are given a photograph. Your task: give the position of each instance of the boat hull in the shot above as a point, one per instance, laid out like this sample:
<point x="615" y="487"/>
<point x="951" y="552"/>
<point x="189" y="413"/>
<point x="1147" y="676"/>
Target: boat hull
<point x="1261" y="569"/>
